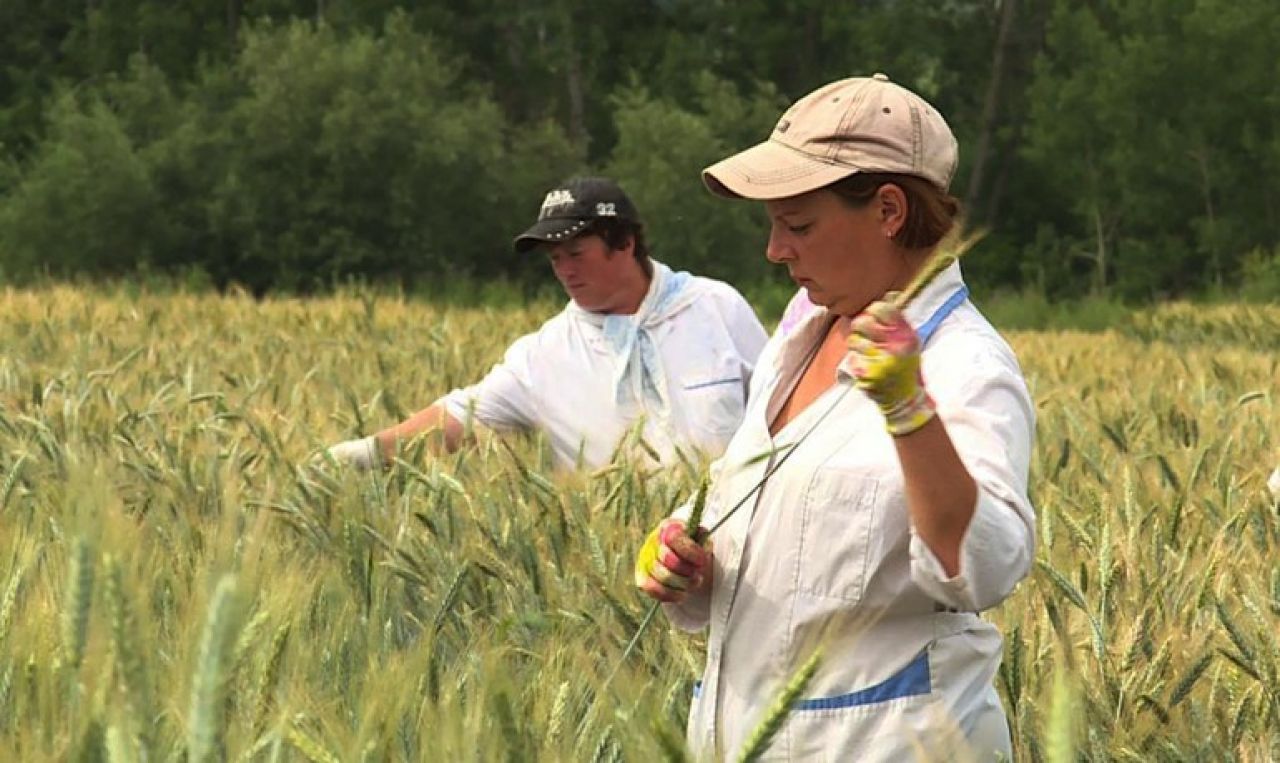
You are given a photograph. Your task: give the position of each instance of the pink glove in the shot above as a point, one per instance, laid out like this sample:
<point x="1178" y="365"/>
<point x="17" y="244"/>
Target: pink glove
<point x="885" y="352"/>
<point x="671" y="565"/>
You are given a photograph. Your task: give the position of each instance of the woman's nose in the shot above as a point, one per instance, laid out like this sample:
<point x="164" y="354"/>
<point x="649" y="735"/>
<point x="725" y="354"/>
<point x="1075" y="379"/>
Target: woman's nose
<point x="777" y="250"/>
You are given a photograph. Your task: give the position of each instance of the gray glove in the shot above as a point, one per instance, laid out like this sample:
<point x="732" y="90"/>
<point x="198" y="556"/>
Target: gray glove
<point x="1274" y="484"/>
<point x="362" y="454"/>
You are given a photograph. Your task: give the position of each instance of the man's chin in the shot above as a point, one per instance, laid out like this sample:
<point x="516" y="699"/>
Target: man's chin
<point x="589" y="305"/>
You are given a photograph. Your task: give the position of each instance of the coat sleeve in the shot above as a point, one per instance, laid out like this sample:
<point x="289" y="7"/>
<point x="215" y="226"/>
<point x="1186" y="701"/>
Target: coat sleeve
<point x="504" y="399"/>
<point x="991" y="422"/>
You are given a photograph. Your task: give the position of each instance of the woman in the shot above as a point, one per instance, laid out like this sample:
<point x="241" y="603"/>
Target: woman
<point x="900" y="511"/>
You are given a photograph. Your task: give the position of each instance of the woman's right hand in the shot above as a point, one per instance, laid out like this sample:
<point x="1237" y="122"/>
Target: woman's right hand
<point x="363" y="454"/>
<point x="671" y="565"/>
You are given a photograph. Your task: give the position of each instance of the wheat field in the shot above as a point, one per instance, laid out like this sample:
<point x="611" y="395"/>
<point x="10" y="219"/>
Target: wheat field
<point x="179" y="582"/>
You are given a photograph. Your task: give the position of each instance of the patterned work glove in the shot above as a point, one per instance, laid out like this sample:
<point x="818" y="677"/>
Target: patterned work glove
<point x="885" y="353"/>
<point x="670" y="564"/>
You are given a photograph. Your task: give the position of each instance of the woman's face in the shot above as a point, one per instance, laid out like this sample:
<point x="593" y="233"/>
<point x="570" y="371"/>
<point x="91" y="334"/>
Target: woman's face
<point x="842" y="255"/>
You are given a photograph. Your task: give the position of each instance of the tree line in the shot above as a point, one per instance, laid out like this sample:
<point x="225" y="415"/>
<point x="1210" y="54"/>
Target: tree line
<point x="1117" y="147"/>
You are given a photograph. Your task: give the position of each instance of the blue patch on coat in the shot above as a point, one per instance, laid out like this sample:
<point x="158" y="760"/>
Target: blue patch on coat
<point x="911" y="681"/>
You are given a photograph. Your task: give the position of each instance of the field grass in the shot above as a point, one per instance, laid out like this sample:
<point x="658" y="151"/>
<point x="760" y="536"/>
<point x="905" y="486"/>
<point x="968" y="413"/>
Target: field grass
<point x="177" y="582"/>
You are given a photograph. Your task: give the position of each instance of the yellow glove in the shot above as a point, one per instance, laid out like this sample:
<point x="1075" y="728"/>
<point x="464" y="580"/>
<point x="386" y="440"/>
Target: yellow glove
<point x="885" y="353"/>
<point x="670" y="564"/>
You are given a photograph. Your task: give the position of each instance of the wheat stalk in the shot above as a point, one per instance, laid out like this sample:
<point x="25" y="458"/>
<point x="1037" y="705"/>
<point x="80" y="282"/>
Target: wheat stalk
<point x="265" y="689"/>
<point x="205" y="721"/>
<point x="954" y="246"/>
<point x="124" y="646"/>
<point x="119" y="746"/>
<point x="75" y="614"/>
<point x="310" y="747"/>
<point x="10" y="481"/>
<point x="779" y="710"/>
<point x="9" y="602"/>
<point x="555" y="725"/>
<point x="1060" y="733"/>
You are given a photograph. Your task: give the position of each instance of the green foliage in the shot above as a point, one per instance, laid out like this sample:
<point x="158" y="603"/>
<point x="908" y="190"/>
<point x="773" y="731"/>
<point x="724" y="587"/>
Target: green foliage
<point x="1114" y="148"/>
<point x="1260" y="275"/>
<point x="661" y="149"/>
<point x="357" y="155"/>
<point x="1147" y="121"/>
<point x="86" y="202"/>
<point x="317" y="156"/>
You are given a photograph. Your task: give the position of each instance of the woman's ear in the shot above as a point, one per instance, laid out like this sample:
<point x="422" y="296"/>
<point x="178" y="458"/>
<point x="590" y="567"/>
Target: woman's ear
<point x="892" y="208"/>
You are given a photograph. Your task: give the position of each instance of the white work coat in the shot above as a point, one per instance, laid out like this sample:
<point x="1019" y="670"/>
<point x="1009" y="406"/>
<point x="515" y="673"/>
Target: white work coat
<point x="568" y="381"/>
<point x="825" y="555"/>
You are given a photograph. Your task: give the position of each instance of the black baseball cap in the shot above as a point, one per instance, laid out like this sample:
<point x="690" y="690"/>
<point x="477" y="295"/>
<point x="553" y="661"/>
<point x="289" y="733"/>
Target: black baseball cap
<point x="572" y="206"/>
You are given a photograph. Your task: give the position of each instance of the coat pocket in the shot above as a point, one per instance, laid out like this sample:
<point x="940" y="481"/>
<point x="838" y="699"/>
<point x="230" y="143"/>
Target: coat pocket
<point x="714" y="400"/>
<point x="890" y="721"/>
<point x="839" y="519"/>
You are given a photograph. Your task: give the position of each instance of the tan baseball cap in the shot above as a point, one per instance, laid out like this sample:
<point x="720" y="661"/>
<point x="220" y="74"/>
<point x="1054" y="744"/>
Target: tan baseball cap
<point x="861" y="124"/>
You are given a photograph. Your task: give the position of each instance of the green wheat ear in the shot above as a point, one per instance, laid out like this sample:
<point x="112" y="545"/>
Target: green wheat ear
<point x="954" y="246"/>
<point x="779" y="710"/>
<point x="695" y="516"/>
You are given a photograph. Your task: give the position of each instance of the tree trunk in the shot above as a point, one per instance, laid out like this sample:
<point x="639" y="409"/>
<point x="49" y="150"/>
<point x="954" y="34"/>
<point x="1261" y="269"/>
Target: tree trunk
<point x="573" y="80"/>
<point x="991" y="108"/>
<point x="1201" y="158"/>
<point x="1100" y="255"/>
<point x="807" y="55"/>
<point x="234" y="10"/>
<point x="577" y="108"/>
<point x="995" y="197"/>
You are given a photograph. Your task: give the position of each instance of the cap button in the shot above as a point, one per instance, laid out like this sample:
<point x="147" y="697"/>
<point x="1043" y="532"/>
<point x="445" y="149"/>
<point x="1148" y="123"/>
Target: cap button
<point x="881" y="76"/>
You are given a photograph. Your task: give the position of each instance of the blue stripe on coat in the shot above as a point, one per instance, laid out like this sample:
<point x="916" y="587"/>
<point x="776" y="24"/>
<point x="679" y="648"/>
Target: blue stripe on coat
<point x="911" y="681"/>
<point x="955" y="300"/>
<point x="717" y="382"/>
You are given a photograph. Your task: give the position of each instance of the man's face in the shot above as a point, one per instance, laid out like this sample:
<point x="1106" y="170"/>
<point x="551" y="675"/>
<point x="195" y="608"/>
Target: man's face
<point x="591" y="273"/>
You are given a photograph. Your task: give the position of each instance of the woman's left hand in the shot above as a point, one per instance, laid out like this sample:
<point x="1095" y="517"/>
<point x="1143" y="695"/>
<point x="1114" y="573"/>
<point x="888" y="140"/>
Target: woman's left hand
<point x="885" y="354"/>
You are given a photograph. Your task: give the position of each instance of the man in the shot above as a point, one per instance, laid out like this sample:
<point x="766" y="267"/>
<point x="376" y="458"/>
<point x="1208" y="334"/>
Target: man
<point x="637" y="342"/>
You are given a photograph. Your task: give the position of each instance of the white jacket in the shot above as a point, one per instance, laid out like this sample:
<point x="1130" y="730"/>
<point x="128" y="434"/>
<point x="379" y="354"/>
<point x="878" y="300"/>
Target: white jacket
<point x="683" y="362"/>
<point x="825" y="555"/>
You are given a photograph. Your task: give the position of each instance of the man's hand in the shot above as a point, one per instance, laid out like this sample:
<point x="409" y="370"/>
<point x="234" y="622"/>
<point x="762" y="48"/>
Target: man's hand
<point x="671" y="565"/>
<point x="362" y="454"/>
<point x="885" y="353"/>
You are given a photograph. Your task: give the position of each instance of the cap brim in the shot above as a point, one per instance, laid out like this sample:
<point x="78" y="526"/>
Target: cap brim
<point x="552" y="230"/>
<point x="771" y="170"/>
